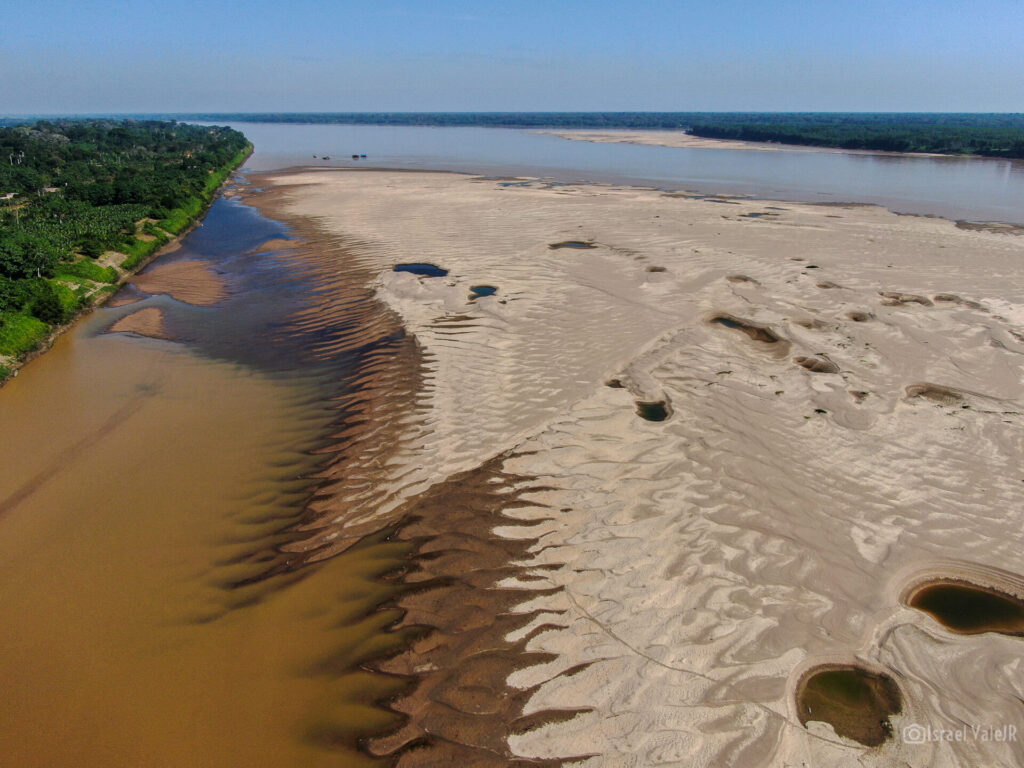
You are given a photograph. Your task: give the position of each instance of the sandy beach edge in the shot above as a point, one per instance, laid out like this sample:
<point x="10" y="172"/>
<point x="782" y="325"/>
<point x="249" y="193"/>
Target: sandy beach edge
<point x="772" y="288"/>
<point x="454" y="616"/>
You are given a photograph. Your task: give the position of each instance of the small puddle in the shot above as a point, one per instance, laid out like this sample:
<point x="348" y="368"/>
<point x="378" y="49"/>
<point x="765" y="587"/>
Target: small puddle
<point x="476" y="291"/>
<point x="855" y="702"/>
<point x="970" y="609"/>
<point x="571" y="244"/>
<point x="756" y="332"/>
<point x="657" y="411"/>
<point x="426" y="270"/>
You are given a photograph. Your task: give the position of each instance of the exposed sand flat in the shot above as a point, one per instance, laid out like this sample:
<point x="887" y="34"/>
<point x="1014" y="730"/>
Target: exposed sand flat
<point x="687" y="141"/>
<point x="849" y="426"/>
<point x="193" y="282"/>
<point x="145" y="322"/>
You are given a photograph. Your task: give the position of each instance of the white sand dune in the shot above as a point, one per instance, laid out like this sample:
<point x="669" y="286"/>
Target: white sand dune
<point x="774" y="520"/>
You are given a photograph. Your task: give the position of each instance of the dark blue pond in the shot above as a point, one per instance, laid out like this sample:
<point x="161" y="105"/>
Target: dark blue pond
<point x="477" y="291"/>
<point x="427" y="270"/>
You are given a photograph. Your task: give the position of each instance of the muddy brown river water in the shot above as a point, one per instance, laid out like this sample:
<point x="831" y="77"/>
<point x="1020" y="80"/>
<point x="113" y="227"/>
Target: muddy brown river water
<point x="151" y="615"/>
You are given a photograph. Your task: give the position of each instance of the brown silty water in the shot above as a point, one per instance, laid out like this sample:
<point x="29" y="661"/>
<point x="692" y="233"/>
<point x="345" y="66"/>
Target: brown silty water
<point x="166" y="592"/>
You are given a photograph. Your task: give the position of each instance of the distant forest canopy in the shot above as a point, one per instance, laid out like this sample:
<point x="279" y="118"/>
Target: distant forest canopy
<point x="995" y="134"/>
<point x="74" y="190"/>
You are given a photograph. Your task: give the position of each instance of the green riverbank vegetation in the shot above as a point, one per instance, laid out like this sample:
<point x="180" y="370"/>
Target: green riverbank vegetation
<point x="85" y="202"/>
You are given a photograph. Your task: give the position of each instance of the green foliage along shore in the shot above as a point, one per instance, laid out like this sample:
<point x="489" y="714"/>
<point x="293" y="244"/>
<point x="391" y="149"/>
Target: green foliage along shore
<point x="82" y="202"/>
<point x="952" y="134"/>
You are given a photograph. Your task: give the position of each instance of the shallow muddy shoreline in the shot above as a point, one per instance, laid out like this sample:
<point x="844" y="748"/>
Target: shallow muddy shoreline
<point x="102" y="298"/>
<point x="267" y="610"/>
<point x="450" y="606"/>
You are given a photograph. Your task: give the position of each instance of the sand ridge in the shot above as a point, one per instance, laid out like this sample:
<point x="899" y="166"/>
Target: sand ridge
<point x="700" y="565"/>
<point x="190" y="281"/>
<point x="145" y="322"/>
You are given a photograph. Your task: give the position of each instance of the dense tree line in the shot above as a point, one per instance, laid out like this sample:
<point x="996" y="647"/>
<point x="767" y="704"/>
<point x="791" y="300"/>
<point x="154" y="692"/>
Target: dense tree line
<point x="71" y="190"/>
<point x="991" y="135"/>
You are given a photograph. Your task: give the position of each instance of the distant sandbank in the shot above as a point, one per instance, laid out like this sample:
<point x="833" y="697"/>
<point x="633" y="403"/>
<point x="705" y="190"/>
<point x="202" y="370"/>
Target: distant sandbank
<point x="683" y="140"/>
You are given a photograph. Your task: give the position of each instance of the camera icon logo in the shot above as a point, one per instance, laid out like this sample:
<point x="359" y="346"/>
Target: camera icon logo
<point x="915" y="734"/>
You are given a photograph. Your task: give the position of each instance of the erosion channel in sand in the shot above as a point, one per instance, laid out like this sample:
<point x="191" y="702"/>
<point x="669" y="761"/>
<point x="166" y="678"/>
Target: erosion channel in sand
<point x="679" y="576"/>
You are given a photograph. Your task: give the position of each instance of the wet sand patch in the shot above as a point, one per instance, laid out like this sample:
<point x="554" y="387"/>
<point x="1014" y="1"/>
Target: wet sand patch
<point x="898" y="299"/>
<point x="816" y="364"/>
<point x="753" y="330"/>
<point x="936" y="393"/>
<point x="128" y="294"/>
<point x="144" y="322"/>
<point x="855" y="702"/>
<point x="991" y="226"/>
<point x="952" y="298"/>
<point x="193" y="282"/>
<point x="276" y="244"/>
<point x="462" y="709"/>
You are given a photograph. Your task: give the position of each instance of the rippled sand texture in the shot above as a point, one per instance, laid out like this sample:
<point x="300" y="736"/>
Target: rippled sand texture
<point x="145" y="322"/>
<point x="191" y="281"/>
<point x="470" y="635"/>
<point x="379" y="410"/>
<point x="804" y="480"/>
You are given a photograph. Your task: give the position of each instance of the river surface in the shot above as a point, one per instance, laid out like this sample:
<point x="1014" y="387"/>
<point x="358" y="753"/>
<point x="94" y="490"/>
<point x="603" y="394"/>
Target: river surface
<point x="975" y="189"/>
<point x="153" y="609"/>
<point x="149" y="615"/>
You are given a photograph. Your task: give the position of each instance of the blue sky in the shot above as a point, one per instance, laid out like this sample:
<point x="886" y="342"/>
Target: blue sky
<point x="314" y="55"/>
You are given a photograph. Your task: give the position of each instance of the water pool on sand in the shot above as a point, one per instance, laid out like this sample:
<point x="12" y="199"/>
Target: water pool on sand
<point x="422" y="269"/>
<point x="969" y="609"/>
